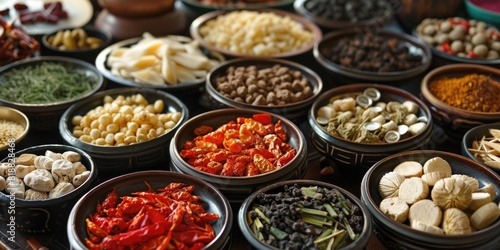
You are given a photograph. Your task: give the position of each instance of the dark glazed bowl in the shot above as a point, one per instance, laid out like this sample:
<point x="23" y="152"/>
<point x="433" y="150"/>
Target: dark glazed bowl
<point x="237" y="188"/>
<point x="198" y="4"/>
<point x="87" y="54"/>
<point x="397" y="235"/>
<point x="349" y="153"/>
<point x="43" y="216"/>
<point x="46" y="116"/>
<point x="292" y="111"/>
<point x="477" y="133"/>
<point x="243" y="223"/>
<point x="415" y="47"/>
<point x="126" y="184"/>
<point x="123" y="159"/>
<point x="455" y="119"/>
<point x="131" y="9"/>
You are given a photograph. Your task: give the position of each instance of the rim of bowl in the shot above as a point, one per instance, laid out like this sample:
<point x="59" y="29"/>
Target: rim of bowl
<point x="242" y="217"/>
<point x="368" y="75"/>
<point x="106" y="41"/>
<point x="241" y="112"/>
<point x="65" y="120"/>
<point x="196" y="3"/>
<point x="57" y="59"/>
<point x="316" y="82"/>
<point x="71" y="195"/>
<point x="376" y="21"/>
<point x="365" y="191"/>
<point x="467" y="140"/>
<point x="226" y="205"/>
<point x="385" y="88"/>
<point x="479" y="8"/>
<point x="20" y="116"/>
<point x="201" y="20"/>
<point x="461" y="69"/>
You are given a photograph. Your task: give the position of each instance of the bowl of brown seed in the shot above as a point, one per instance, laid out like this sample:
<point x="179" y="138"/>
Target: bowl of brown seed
<point x="357" y="125"/>
<point x="482" y="144"/>
<point x="273" y="85"/>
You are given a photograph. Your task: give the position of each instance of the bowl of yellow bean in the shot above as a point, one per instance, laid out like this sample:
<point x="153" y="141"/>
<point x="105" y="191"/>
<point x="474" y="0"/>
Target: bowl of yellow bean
<point x="124" y="129"/>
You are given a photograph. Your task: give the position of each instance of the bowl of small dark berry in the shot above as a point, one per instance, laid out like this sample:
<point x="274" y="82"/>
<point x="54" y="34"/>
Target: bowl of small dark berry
<point x="304" y="214"/>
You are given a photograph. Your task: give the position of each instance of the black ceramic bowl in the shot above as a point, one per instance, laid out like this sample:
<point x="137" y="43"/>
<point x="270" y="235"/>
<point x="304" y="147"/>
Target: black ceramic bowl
<point x="456" y="119"/>
<point x="45" y="116"/>
<point x="397" y="235"/>
<point x="127" y="158"/>
<point x="243" y="218"/>
<point x="237" y="188"/>
<point x="477" y="133"/>
<point x="126" y="184"/>
<point x="292" y="110"/>
<point x="415" y="47"/>
<point x="350" y="153"/>
<point x="43" y="216"/>
<point x="229" y="4"/>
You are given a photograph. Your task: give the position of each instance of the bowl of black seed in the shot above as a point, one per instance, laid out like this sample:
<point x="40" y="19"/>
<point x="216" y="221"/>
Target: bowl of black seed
<point x="304" y="214"/>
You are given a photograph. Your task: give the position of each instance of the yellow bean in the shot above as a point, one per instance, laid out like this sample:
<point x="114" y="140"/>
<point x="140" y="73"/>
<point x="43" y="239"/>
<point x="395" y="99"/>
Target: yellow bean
<point x="85" y="138"/>
<point x="77" y="133"/>
<point x="110" y="139"/>
<point x="112" y="128"/>
<point x="130" y="139"/>
<point x="132" y="126"/>
<point x="100" y="141"/>
<point x="95" y="133"/>
<point x="76" y="120"/>
<point x="119" y="137"/>
<point x="159" y="106"/>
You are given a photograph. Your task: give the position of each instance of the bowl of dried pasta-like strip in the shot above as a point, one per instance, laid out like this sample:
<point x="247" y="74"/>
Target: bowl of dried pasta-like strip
<point x="482" y="144"/>
<point x="462" y="96"/>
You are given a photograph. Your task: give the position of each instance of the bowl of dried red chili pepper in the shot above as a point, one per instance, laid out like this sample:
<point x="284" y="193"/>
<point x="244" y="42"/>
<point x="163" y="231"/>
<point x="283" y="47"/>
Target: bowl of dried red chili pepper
<point x="462" y="96"/>
<point x="239" y="150"/>
<point x="153" y="209"/>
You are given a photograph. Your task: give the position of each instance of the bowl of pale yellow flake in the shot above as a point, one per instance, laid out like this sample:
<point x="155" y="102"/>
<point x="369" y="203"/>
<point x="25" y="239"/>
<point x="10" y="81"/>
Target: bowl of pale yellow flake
<point x="14" y="126"/>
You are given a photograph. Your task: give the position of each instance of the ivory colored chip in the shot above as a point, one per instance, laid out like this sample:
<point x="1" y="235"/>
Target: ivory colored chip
<point x="437" y="164"/>
<point x="432" y="177"/>
<point x="485" y="216"/>
<point x="420" y="226"/>
<point x="389" y="184"/>
<point x="425" y="211"/>
<point x="479" y="199"/>
<point x="409" y="169"/>
<point x="395" y="209"/>
<point x="490" y="189"/>
<point x="412" y="190"/>
<point x="471" y="181"/>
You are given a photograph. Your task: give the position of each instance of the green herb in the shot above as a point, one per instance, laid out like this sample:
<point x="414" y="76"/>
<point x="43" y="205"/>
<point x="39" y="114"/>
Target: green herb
<point x="278" y="233"/>
<point x="47" y="82"/>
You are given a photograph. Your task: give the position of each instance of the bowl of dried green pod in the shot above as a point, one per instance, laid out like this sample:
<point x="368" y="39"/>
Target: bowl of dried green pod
<point x="360" y="124"/>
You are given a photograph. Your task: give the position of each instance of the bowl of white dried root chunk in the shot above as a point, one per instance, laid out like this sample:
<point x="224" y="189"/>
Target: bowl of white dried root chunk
<point x="428" y="199"/>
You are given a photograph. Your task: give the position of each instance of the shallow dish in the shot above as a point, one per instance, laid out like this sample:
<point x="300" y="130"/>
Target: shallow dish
<point x="237" y="188"/>
<point x="397" y="235"/>
<point x="126" y="184"/>
<point x="235" y="5"/>
<point x="415" y="47"/>
<point x="213" y="15"/>
<point x="44" y="116"/>
<point x="487" y="11"/>
<point x="292" y="110"/>
<point x="43" y="216"/>
<point x="13" y="115"/>
<point x="477" y="133"/>
<point x="353" y="154"/>
<point x="456" y="119"/>
<point x="123" y="159"/>
<point x="243" y="218"/>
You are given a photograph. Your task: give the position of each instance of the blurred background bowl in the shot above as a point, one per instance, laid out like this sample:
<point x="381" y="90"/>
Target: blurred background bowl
<point x="293" y="110"/>
<point x="88" y="53"/>
<point x="130" y="8"/>
<point x="243" y="218"/>
<point x="358" y="15"/>
<point x="307" y="25"/>
<point x="397" y="235"/>
<point x="207" y="6"/>
<point x="487" y="11"/>
<point x="414" y="47"/>
<point x="127" y="184"/>
<point x="12" y="115"/>
<point x="357" y="154"/>
<point x="237" y="188"/>
<point x="45" y="116"/>
<point x="410" y="13"/>
<point x="455" y="119"/>
<point x="477" y="133"/>
<point x="43" y="216"/>
<point x="133" y="157"/>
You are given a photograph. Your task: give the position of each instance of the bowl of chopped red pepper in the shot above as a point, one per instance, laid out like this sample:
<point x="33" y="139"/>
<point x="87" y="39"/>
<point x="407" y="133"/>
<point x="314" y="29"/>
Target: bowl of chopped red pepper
<point x="239" y="150"/>
<point x="157" y="209"/>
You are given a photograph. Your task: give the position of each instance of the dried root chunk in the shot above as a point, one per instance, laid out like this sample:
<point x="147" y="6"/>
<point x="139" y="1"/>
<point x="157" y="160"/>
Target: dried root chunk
<point x="420" y="226"/>
<point x="437" y="164"/>
<point x="471" y="181"/>
<point x="412" y="190"/>
<point x="4" y="169"/>
<point x="23" y="170"/>
<point x="79" y="179"/>
<point x="432" y="177"/>
<point x="71" y="156"/>
<point x="395" y="208"/>
<point x="455" y="222"/>
<point x="485" y="215"/>
<point x="35" y="195"/>
<point x="40" y="179"/>
<point x="79" y="167"/>
<point x="490" y="189"/>
<point x="409" y="169"/>
<point x="52" y="155"/>
<point x="15" y="186"/>
<point x="3" y="183"/>
<point x="43" y="162"/>
<point x="63" y="170"/>
<point x="389" y="184"/>
<point x="452" y="193"/>
<point x="425" y="211"/>
<point x="61" y="189"/>
<point x="26" y="159"/>
<point x="478" y="200"/>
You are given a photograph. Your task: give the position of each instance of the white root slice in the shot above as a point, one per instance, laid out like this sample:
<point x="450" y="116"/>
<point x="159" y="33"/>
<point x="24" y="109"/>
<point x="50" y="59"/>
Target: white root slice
<point x="437" y="164"/>
<point x="485" y="216"/>
<point x="420" y="226"/>
<point x="395" y="209"/>
<point x="389" y="184"/>
<point x="409" y="169"/>
<point x="425" y="211"/>
<point x="412" y="190"/>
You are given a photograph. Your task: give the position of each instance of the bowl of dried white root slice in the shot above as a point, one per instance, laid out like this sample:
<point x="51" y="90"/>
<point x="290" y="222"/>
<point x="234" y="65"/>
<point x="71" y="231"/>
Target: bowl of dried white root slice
<point x="427" y="199"/>
<point x="482" y="144"/>
<point x="170" y="62"/>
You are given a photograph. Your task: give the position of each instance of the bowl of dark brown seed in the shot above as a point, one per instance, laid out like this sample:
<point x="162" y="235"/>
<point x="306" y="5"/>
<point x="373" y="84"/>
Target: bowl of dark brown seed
<point x="273" y="85"/>
<point x="384" y="56"/>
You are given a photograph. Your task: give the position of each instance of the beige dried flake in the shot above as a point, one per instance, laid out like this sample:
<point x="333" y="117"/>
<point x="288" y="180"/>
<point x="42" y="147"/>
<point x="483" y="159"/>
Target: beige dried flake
<point x="487" y="149"/>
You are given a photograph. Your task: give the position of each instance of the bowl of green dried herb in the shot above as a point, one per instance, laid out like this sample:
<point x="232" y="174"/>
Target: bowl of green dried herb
<point x="43" y="87"/>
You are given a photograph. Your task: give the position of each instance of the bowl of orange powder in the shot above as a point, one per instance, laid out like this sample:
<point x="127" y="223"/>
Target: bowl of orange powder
<point x="462" y="96"/>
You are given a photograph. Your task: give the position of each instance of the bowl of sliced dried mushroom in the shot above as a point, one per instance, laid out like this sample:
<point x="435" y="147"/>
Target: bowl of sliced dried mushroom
<point x="427" y="199"/>
<point x="482" y="144"/>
